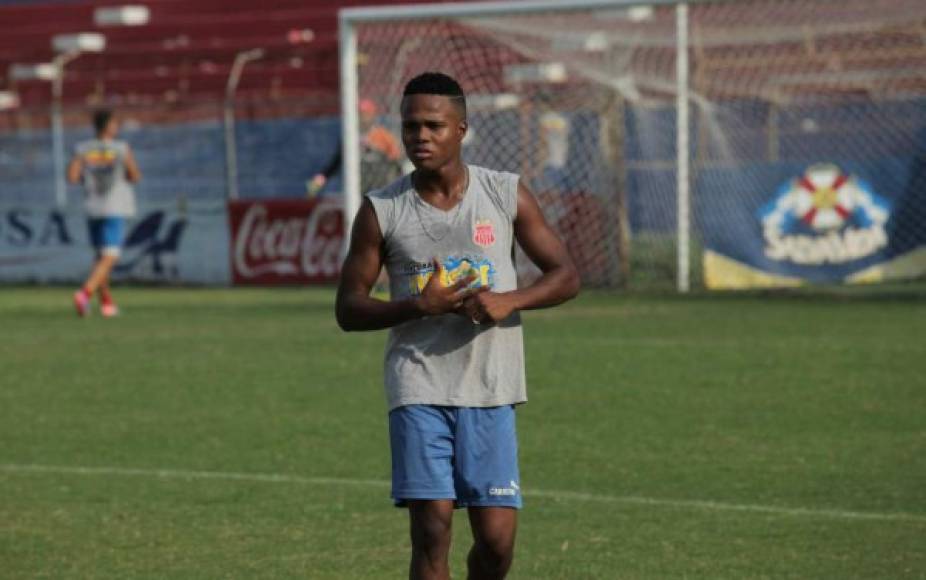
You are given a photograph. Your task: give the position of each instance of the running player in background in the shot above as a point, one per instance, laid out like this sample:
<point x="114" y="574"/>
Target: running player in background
<point x="454" y="368"/>
<point x="107" y="169"/>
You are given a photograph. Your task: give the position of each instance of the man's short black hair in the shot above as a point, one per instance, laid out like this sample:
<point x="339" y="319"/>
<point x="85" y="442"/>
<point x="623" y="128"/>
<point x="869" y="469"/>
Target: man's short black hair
<point x="101" y="119"/>
<point x="437" y="83"/>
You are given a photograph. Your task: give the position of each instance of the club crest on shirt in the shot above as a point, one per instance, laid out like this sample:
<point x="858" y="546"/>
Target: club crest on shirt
<point x="484" y="233"/>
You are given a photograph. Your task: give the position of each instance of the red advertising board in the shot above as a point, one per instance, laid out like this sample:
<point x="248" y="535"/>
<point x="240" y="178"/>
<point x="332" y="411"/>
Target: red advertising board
<point x="285" y="241"/>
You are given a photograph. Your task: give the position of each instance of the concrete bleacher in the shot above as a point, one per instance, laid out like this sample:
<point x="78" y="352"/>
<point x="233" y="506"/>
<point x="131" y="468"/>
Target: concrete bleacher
<point x="187" y="47"/>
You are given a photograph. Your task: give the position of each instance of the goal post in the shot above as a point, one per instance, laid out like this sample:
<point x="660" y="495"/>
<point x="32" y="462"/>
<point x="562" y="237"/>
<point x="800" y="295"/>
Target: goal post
<point x="678" y="145"/>
<point x="683" y="268"/>
<point x="352" y="18"/>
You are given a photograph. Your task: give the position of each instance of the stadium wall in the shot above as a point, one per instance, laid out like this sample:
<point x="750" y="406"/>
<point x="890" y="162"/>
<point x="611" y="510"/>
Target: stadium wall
<point x="184" y="161"/>
<point x="184" y="187"/>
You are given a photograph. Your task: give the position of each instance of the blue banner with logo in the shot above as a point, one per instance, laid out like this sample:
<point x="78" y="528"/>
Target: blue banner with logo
<point x="164" y="243"/>
<point x="790" y="223"/>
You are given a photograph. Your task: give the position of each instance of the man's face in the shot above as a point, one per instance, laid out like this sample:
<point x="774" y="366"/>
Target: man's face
<point x="432" y="130"/>
<point x="366" y="120"/>
<point x="112" y="128"/>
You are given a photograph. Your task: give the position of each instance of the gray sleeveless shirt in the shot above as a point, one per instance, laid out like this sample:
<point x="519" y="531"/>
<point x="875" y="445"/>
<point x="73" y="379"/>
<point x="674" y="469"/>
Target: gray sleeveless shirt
<point x="108" y="191"/>
<point x="447" y="359"/>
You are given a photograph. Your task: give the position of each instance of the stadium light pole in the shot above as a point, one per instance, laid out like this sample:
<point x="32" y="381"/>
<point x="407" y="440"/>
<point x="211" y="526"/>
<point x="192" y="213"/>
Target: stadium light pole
<point x="68" y="47"/>
<point x="57" y="126"/>
<point x="231" y="157"/>
<point x="46" y="71"/>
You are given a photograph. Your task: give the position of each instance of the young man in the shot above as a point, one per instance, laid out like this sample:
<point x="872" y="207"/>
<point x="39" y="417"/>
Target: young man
<point x="454" y="361"/>
<point x="107" y="169"/>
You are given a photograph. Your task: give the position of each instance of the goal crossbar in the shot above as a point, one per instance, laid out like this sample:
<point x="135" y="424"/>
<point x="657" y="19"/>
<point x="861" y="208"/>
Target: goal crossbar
<point x="467" y="9"/>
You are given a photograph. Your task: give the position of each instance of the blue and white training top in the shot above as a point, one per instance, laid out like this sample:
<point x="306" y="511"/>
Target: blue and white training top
<point x="109" y="193"/>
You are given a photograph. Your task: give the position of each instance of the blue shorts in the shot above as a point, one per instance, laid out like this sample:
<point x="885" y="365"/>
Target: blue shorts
<point x="106" y="235"/>
<point x="467" y="454"/>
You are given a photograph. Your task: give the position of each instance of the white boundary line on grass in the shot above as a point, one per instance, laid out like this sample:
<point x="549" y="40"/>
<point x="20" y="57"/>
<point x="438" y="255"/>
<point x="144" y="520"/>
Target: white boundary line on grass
<point x="550" y="494"/>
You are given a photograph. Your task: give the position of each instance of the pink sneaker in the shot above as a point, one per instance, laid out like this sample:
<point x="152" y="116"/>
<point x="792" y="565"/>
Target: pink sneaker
<point x="82" y="303"/>
<point x="109" y="310"/>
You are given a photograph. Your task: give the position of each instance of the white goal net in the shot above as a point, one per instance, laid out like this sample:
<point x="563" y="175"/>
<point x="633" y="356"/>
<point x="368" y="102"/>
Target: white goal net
<point x="805" y="136"/>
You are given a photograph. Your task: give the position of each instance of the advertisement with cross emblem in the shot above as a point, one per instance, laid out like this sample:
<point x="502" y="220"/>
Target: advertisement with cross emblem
<point x="823" y="223"/>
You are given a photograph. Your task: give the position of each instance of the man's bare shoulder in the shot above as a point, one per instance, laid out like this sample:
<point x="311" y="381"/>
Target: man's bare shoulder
<point x="396" y="189"/>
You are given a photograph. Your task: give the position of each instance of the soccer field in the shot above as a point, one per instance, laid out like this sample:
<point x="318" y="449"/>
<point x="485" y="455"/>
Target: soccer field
<point x="241" y="434"/>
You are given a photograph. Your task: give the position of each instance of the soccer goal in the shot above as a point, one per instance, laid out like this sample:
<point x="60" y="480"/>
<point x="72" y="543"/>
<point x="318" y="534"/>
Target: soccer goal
<point x="723" y="144"/>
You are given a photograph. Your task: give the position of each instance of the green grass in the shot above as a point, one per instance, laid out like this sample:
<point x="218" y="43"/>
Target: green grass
<point x="738" y="436"/>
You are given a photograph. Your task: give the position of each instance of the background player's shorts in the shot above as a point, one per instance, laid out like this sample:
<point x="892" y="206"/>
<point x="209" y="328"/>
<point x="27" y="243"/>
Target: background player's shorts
<point x="106" y="235"/>
<point x="467" y="454"/>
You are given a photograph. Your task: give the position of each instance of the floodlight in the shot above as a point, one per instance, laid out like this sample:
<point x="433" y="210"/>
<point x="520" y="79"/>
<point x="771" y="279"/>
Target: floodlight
<point x="492" y="102"/>
<point x="130" y="15"/>
<point x="585" y="42"/>
<point x="45" y="71"/>
<point x="8" y="100"/>
<point x="549" y="72"/>
<point x="300" y="35"/>
<point x="640" y="13"/>
<point x="80" y="42"/>
<point x="631" y="13"/>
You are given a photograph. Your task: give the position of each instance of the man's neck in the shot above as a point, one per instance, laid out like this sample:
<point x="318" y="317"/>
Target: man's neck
<point x="445" y="181"/>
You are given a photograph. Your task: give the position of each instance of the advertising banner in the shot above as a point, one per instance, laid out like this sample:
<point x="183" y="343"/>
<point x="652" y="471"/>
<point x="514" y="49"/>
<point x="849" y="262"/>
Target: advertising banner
<point x="785" y="224"/>
<point x="164" y="243"/>
<point x="285" y="241"/>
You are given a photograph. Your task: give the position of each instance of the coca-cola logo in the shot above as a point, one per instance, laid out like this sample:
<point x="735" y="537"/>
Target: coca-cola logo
<point x="298" y="244"/>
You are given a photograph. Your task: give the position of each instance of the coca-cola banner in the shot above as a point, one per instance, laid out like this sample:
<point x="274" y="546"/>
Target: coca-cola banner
<point x="285" y="241"/>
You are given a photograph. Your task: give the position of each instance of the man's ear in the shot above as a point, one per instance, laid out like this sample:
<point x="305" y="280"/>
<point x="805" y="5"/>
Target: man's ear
<point x="464" y="125"/>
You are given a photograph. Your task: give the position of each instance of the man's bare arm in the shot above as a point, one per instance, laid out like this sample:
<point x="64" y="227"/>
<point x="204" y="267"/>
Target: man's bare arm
<point x="75" y="168"/>
<point x="355" y="309"/>
<point x="132" y="173"/>
<point x="559" y="281"/>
